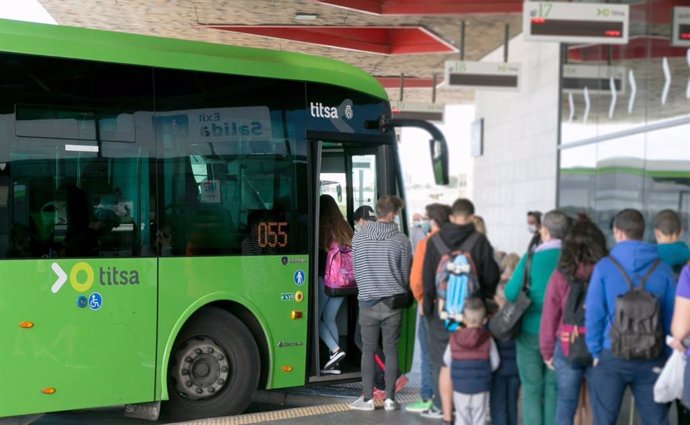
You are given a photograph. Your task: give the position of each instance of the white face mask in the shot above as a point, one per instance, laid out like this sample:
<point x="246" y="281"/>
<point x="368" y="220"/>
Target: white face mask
<point x="532" y="228"/>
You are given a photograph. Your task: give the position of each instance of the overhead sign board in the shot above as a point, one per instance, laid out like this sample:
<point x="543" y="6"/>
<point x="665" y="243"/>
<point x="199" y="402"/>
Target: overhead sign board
<point x="600" y="23"/>
<point x="482" y="75"/>
<point x="597" y="78"/>
<point x="680" y="33"/>
<point x="417" y="110"/>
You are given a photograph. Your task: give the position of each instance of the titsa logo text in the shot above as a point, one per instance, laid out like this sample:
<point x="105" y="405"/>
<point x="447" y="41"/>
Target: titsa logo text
<point x="82" y="277"/>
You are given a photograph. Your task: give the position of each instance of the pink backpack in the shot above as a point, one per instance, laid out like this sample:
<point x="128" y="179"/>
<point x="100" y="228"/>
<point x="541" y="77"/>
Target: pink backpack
<point x="339" y="276"/>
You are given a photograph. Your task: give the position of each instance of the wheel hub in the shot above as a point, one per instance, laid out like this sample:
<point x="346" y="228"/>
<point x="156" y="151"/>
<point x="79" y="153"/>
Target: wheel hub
<point x="202" y="368"/>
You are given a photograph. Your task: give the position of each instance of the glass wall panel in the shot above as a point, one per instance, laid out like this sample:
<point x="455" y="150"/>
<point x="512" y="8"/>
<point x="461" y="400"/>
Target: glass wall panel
<point x="649" y="171"/>
<point x="625" y="122"/>
<point x="607" y="89"/>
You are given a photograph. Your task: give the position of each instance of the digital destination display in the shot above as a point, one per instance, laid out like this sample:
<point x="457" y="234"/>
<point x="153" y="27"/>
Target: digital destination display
<point x="600" y="23"/>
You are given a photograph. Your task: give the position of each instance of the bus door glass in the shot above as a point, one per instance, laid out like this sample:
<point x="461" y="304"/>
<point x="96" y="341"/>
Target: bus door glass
<point x="363" y="174"/>
<point x="348" y="174"/>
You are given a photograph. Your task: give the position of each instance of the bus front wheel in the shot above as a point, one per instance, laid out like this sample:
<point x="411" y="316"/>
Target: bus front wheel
<point x="214" y="367"/>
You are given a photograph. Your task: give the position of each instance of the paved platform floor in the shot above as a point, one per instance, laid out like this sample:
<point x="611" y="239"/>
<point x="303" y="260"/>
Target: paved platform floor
<point x="324" y="404"/>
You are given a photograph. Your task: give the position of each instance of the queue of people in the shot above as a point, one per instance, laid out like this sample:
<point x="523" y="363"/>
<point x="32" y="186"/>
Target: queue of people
<point x="594" y="326"/>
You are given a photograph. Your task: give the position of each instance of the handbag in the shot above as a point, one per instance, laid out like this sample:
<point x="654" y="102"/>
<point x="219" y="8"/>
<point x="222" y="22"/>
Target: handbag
<point x="398" y="301"/>
<point x="669" y="384"/>
<point x="685" y="392"/>
<point x="505" y="325"/>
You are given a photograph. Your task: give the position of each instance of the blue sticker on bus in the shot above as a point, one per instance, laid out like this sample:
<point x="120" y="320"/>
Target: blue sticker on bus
<point x="298" y="277"/>
<point x="81" y="301"/>
<point x="95" y="301"/>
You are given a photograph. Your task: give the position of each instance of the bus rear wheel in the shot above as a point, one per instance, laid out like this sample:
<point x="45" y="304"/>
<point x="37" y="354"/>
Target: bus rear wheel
<point x="214" y="367"/>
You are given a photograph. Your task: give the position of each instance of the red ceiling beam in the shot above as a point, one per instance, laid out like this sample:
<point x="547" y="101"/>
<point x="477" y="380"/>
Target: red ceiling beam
<point x="429" y="7"/>
<point x="382" y="40"/>
<point x="653" y="11"/>
<point x="409" y="82"/>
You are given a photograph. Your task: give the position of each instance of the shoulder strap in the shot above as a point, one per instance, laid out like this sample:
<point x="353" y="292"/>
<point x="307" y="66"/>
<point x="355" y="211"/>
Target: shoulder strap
<point x="622" y="271"/>
<point x="526" y="279"/>
<point x="469" y="242"/>
<point x="441" y="246"/>
<point x="649" y="273"/>
<point x="627" y="277"/>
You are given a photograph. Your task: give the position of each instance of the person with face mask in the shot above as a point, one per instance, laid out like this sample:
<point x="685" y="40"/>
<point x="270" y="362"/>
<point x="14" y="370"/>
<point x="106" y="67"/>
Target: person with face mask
<point x="533" y="226"/>
<point x="420" y="229"/>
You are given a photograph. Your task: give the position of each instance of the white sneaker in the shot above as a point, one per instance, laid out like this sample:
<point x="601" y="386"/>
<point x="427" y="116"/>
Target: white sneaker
<point x="330" y="371"/>
<point x="360" y="404"/>
<point x="432" y="413"/>
<point x="335" y="357"/>
<point x="390" y="404"/>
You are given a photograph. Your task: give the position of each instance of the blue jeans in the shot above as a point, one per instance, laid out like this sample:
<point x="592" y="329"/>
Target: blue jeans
<point x="568" y="381"/>
<point x="427" y="392"/>
<point x="437" y="340"/>
<point x="504" y="399"/>
<point x="372" y="320"/>
<point x="328" y="311"/>
<point x="608" y="380"/>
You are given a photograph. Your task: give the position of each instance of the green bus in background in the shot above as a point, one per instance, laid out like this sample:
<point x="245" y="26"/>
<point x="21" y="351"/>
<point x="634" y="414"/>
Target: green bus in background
<point x="158" y="217"/>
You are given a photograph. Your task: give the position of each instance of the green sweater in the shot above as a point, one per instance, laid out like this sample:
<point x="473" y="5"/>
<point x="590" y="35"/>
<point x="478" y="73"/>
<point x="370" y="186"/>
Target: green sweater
<point x="543" y="264"/>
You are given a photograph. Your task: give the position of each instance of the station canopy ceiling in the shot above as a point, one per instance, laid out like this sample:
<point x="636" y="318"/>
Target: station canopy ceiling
<point x="386" y="38"/>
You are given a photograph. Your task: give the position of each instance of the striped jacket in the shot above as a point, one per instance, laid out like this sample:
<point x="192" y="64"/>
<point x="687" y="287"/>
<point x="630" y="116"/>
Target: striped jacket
<point x="381" y="259"/>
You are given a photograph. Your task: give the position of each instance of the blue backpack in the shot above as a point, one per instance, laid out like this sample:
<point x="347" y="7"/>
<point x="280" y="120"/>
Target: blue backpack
<point x="456" y="279"/>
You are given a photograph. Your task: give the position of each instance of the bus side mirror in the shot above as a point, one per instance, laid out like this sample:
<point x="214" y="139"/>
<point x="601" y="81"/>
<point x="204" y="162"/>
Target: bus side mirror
<point x="439" y="161"/>
<point x="438" y="145"/>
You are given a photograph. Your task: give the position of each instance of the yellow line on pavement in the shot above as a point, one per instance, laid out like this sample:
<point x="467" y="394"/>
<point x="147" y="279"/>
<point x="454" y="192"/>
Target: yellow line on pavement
<point x="255" y="418"/>
<point x="277" y="415"/>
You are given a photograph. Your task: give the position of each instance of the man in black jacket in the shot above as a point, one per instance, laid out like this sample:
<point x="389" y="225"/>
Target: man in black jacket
<point x="453" y="234"/>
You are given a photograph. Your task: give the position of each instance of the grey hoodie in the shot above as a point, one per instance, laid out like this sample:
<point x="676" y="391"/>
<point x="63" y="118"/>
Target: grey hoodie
<point x="381" y="257"/>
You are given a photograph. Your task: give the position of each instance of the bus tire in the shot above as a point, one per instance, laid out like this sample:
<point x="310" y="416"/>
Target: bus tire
<point x="213" y="369"/>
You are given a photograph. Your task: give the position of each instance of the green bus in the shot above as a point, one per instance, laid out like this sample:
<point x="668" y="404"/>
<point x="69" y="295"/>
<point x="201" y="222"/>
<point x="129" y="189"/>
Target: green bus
<point x="158" y="217"/>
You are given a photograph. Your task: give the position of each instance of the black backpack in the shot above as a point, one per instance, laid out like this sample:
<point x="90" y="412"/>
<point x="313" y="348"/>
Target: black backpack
<point x="574" y="315"/>
<point x="636" y="332"/>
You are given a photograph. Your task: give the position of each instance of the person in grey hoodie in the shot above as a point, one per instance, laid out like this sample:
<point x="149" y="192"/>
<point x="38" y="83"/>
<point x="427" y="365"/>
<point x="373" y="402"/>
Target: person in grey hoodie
<point x="381" y="259"/>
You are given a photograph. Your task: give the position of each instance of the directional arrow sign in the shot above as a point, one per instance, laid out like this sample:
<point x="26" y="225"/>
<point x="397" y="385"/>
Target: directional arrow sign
<point x="61" y="277"/>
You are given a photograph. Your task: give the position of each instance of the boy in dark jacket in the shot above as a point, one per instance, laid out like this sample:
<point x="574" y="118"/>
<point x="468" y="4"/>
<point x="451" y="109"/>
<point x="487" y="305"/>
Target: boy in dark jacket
<point x="454" y="234"/>
<point x="505" y="387"/>
<point x="472" y="356"/>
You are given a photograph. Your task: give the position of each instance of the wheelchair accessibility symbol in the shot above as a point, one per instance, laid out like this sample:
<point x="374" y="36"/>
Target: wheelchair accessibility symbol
<point x="95" y="301"/>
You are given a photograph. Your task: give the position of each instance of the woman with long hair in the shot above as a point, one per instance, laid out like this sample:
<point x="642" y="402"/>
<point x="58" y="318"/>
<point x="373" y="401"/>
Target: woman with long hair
<point x="582" y="247"/>
<point x="332" y="228"/>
